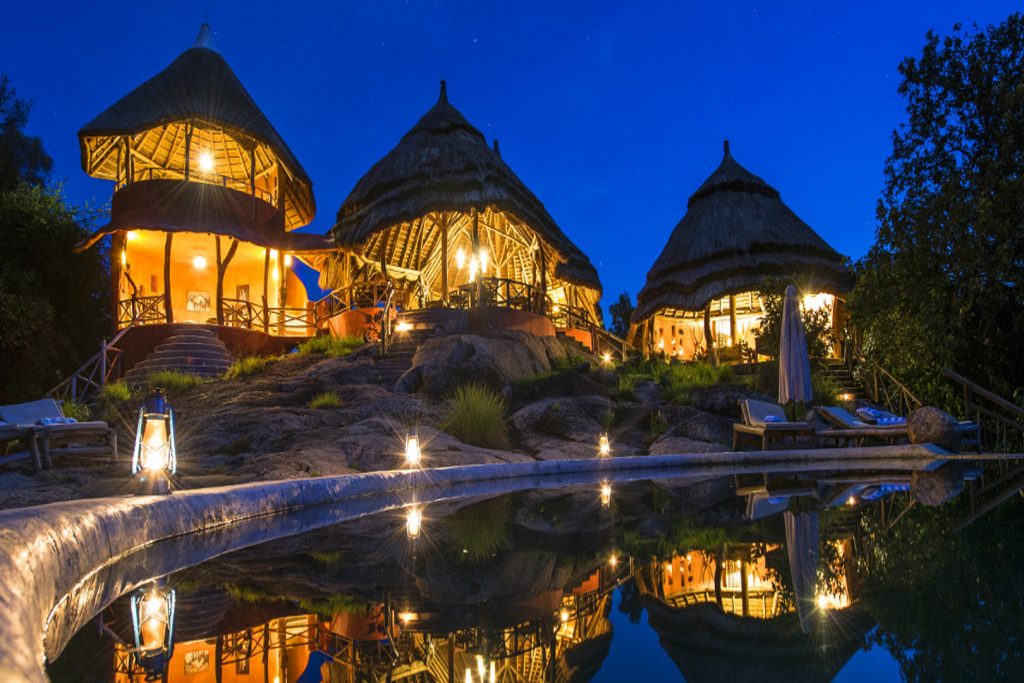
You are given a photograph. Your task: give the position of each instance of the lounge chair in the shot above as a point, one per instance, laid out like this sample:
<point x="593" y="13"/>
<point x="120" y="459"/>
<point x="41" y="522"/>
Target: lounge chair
<point x="767" y="422"/>
<point x="970" y="431"/>
<point x="846" y="427"/>
<point x="767" y="494"/>
<point x="44" y="420"/>
<point x="10" y="433"/>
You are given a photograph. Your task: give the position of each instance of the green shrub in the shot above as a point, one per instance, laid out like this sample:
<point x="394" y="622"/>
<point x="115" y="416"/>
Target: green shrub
<point x="679" y="380"/>
<point x="173" y="381"/>
<point x="325" y="400"/>
<point x="330" y="346"/>
<point x="824" y="389"/>
<point x="75" y="410"/>
<point x="112" y="398"/>
<point x="476" y="415"/>
<point x="248" y="366"/>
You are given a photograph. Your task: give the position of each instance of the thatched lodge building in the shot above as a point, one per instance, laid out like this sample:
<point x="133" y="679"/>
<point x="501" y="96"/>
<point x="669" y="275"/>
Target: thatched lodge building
<point x="444" y="219"/>
<point x="206" y="199"/>
<point x="736" y="234"/>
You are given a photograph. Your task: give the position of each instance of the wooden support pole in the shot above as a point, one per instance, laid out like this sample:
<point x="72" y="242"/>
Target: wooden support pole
<point x="479" y="262"/>
<point x="708" y="337"/>
<point x="222" y="269"/>
<point x="282" y="292"/>
<point x="444" y="260"/>
<point x="543" y="281"/>
<point x="744" y="587"/>
<point x="168" y="310"/>
<point x="733" y="332"/>
<point x="117" y="247"/>
<point x="266" y="290"/>
<point x="188" y="149"/>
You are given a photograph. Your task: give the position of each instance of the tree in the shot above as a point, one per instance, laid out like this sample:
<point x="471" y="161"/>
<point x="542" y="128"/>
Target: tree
<point x="53" y="302"/>
<point x="621" y="311"/>
<point x="22" y="158"/>
<point x="942" y="286"/>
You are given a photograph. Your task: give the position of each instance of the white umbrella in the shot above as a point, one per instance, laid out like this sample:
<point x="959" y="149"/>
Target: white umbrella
<point x="802" y="548"/>
<point x="794" y="366"/>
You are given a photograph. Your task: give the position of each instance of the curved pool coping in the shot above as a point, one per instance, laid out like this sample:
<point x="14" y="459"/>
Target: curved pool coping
<point x="56" y="559"/>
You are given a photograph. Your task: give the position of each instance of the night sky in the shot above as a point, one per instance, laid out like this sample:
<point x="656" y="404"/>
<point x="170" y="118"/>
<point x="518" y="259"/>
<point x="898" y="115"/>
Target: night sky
<point x="612" y="113"/>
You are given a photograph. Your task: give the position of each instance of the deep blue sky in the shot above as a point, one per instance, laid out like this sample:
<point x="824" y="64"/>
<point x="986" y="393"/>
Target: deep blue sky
<point x="611" y="112"/>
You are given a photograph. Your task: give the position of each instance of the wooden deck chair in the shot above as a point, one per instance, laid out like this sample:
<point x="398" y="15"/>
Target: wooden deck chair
<point x="767" y="423"/>
<point x="33" y="415"/>
<point x="847" y="428"/>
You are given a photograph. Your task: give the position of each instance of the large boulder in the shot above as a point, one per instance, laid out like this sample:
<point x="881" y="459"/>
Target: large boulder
<point x="562" y="424"/>
<point x="497" y="360"/>
<point x="931" y="425"/>
<point x="939" y="486"/>
<point x="696" y="425"/>
<point x="724" y="399"/>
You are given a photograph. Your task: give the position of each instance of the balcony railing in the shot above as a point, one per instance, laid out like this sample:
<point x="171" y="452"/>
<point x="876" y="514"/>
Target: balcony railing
<point x="240" y="184"/>
<point x="279" y="320"/>
<point x="140" y="310"/>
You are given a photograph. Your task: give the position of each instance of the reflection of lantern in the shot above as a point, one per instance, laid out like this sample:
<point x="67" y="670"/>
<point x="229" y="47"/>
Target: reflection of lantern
<point x="604" y="446"/>
<point x="606" y="495"/>
<point x="154" y="437"/>
<point x="153" y="628"/>
<point x="413" y="521"/>
<point x="412" y="450"/>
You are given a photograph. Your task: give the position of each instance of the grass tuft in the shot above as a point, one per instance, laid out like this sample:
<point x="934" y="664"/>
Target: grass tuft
<point x="112" y="398"/>
<point x="476" y="415"/>
<point x="248" y="366"/>
<point x="75" y="410"/>
<point x="173" y="381"/>
<point x="332" y="347"/>
<point x="326" y="400"/>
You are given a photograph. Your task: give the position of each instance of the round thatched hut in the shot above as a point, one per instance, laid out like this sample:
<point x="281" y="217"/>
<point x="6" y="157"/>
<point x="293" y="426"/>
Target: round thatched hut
<point x="737" y="232"/>
<point x="206" y="196"/>
<point x="444" y="216"/>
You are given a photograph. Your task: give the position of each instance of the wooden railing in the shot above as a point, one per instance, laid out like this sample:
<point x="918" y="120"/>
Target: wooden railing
<point x="140" y="310"/>
<point x="603" y="340"/>
<point x="885" y="390"/>
<point x="1001" y="422"/>
<point x="90" y="378"/>
<point x="280" y="320"/>
<point x="195" y="176"/>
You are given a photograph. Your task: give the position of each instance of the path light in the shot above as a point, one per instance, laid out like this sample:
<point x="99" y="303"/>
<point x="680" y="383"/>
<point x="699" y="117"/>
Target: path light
<point x="606" y="358"/>
<point x="613" y="561"/>
<point x="604" y="446"/>
<point x="412" y="450"/>
<point x="153" y="628"/>
<point x="413" y="522"/>
<point x="606" y="495"/>
<point x="155" y="454"/>
<point x="851" y="501"/>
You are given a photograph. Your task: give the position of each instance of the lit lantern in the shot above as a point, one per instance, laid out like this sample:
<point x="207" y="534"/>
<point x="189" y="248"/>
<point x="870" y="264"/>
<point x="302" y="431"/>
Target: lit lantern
<point x="613" y="561"/>
<point x="606" y="495"/>
<point x="154" y="437"/>
<point x="413" y="522"/>
<point x="413" y="454"/>
<point x="206" y="162"/>
<point x="604" y="446"/>
<point x="406" y="618"/>
<point x="606" y="358"/>
<point x="153" y="627"/>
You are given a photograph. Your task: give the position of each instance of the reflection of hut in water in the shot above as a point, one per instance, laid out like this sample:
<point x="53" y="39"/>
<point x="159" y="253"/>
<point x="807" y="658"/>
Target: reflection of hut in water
<point x="446" y="219"/>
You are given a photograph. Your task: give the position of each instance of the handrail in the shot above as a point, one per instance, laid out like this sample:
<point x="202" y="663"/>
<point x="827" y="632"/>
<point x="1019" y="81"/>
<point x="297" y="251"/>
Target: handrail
<point x="1001" y="422"/>
<point x="883" y="395"/>
<point x="598" y="332"/>
<point x="983" y="392"/>
<point x="95" y="372"/>
<point x="173" y="173"/>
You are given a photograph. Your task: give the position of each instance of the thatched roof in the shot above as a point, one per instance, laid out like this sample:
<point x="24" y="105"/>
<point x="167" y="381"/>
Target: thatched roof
<point x="443" y="164"/>
<point x="198" y="85"/>
<point x="736" y="232"/>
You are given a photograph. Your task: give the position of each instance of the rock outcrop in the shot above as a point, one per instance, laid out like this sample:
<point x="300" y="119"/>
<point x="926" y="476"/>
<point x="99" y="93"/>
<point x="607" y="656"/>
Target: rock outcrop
<point x="931" y="425"/>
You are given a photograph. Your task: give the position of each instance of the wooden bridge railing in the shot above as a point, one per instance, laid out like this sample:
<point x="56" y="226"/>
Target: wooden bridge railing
<point x="1002" y="422"/>
<point x="886" y="391"/>
<point x="90" y="378"/>
<point x="603" y="340"/>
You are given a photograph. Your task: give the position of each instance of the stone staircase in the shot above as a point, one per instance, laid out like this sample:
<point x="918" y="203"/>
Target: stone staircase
<point x="403" y="346"/>
<point x="191" y="349"/>
<point x="572" y="344"/>
<point x="837" y="371"/>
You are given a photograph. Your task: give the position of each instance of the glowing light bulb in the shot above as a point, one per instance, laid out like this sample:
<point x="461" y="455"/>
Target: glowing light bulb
<point x="153" y="620"/>
<point x="606" y="358"/>
<point x="851" y="501"/>
<point x="563" y="616"/>
<point x="480" y="666"/>
<point x="460" y="257"/>
<point x="555" y="309"/>
<point x="413" y="522"/>
<point x="156" y="446"/>
<point x="287" y="259"/>
<point x="613" y="561"/>
<point x="822" y="601"/>
<point x="604" y="446"/>
<point x="199" y="262"/>
<point x="492" y="676"/>
<point x="406" y="617"/>
<point x="403" y="326"/>
<point x="124" y="258"/>
<point x="483" y="261"/>
<point x="206" y="162"/>
<point x="412" y="450"/>
<point x="132" y="235"/>
<point x="472" y="268"/>
<point x="469" y="676"/>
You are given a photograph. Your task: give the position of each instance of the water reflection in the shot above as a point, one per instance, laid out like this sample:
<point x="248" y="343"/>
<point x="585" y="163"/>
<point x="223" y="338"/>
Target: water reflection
<point x="753" y="575"/>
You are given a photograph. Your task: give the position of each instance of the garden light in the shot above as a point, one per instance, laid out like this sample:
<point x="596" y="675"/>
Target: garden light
<point x="155" y="454"/>
<point x="413" y="522"/>
<point x="604" y="446"/>
<point x="606" y="495"/>
<point x="412" y="450"/>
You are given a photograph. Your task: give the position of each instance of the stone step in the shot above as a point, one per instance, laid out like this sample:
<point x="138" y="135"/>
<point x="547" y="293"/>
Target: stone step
<point x="185" y="349"/>
<point x="203" y="332"/>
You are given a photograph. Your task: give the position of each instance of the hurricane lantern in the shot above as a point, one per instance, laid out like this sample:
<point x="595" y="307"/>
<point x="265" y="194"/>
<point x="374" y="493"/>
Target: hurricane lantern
<point x="604" y="446"/>
<point x="153" y="628"/>
<point x="413" y="522"/>
<point x="413" y="454"/>
<point x="606" y="495"/>
<point x="154" y="437"/>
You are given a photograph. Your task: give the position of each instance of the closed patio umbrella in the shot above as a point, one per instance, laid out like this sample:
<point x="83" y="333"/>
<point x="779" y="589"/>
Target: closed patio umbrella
<point x="802" y="549"/>
<point x="794" y="366"/>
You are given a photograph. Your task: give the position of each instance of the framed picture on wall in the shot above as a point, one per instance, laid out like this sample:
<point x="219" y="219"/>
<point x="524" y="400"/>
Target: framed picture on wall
<point x="197" y="662"/>
<point x="242" y="292"/>
<point x="197" y="301"/>
<point x="152" y="284"/>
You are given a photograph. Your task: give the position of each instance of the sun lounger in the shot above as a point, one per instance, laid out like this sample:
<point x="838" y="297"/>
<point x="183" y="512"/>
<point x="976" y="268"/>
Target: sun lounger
<point x="48" y="427"/>
<point x="767" y="422"/>
<point x="848" y="428"/>
<point x="10" y="433"/>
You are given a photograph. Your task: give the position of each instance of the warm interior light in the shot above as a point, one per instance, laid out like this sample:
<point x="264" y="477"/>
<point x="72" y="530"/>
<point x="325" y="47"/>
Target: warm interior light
<point x="555" y="309"/>
<point x="205" y="162"/>
<point x="604" y="447"/>
<point x="406" y="617"/>
<point x="480" y="666"/>
<point x="613" y="561"/>
<point x="483" y="261"/>
<point x="469" y="676"/>
<point x="287" y="259"/>
<point x="132" y="235"/>
<point x="492" y="677"/>
<point x="274" y="275"/>
<point x="403" y="326"/>
<point x="413" y="521"/>
<point x="606" y="358"/>
<point x="153" y="621"/>
<point x="472" y="268"/>
<point x="563" y="616"/>
<point x="460" y="257"/>
<point x="124" y="258"/>
<point x="199" y="262"/>
<point x="606" y="495"/>
<point x="851" y="501"/>
<point x="156" y="446"/>
<point x="412" y="450"/>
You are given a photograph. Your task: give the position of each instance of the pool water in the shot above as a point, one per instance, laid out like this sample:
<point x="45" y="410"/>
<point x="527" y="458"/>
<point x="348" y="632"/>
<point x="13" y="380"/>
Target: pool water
<point x="647" y="580"/>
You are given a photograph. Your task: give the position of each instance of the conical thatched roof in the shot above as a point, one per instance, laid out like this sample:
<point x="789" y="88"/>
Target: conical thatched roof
<point x="445" y="164"/>
<point x="198" y="85"/>
<point x="736" y="232"/>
